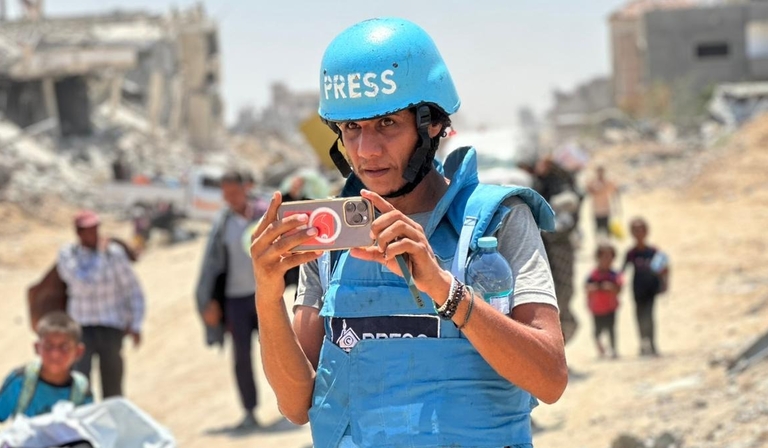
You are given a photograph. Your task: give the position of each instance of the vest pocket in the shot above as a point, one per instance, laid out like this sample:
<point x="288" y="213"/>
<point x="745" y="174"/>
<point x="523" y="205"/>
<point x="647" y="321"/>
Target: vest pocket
<point x="432" y="392"/>
<point x="329" y="413"/>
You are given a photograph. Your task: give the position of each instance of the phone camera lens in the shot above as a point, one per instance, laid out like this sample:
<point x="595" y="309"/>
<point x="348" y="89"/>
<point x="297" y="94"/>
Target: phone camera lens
<point x="349" y="207"/>
<point x="356" y="218"/>
<point x="362" y="207"/>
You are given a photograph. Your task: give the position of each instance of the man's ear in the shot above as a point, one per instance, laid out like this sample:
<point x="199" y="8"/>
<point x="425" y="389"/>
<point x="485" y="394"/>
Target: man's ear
<point x="434" y="129"/>
<point x="79" y="350"/>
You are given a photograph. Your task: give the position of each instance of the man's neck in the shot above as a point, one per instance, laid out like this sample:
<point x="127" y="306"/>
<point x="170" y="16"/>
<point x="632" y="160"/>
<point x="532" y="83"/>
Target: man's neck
<point x="424" y="197"/>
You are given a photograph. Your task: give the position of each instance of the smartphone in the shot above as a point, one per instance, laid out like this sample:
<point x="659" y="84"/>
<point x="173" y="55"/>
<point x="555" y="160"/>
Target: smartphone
<point x="341" y="223"/>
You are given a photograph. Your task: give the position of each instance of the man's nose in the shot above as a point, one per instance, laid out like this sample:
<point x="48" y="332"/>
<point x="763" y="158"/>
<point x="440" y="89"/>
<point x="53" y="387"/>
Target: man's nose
<point x="369" y="143"/>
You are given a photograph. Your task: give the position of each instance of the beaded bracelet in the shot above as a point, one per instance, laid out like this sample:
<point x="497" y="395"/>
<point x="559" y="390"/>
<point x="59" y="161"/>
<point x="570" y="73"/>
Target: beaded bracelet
<point x="451" y="292"/>
<point x="471" y="291"/>
<point x="448" y="309"/>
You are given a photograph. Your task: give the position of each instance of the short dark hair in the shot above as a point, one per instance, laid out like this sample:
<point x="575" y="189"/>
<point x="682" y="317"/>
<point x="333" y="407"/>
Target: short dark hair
<point x="59" y="322"/>
<point x="439" y="117"/>
<point x="437" y="114"/>
<point x="638" y="222"/>
<point x="605" y="247"/>
<point x="233" y="177"/>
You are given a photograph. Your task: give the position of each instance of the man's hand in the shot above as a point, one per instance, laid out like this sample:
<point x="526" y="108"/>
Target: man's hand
<point x="212" y="314"/>
<point x="135" y="336"/>
<point x="397" y="234"/>
<point x="271" y="245"/>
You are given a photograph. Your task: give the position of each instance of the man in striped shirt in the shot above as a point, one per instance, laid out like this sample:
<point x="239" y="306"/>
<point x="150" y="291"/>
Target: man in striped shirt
<point x="104" y="297"/>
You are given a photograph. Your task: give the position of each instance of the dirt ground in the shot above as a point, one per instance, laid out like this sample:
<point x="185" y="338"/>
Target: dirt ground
<point x="707" y="209"/>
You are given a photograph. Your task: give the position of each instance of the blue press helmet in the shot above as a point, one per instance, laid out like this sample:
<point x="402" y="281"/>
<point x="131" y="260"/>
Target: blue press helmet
<point x="381" y="66"/>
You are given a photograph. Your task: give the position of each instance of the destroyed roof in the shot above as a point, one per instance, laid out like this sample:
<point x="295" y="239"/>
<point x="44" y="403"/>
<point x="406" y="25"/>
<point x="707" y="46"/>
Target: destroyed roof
<point x="116" y="28"/>
<point x="30" y="49"/>
<point x="635" y="9"/>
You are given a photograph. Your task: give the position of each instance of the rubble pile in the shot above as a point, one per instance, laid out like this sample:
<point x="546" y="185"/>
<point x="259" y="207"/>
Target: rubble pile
<point x="35" y="167"/>
<point x="30" y="169"/>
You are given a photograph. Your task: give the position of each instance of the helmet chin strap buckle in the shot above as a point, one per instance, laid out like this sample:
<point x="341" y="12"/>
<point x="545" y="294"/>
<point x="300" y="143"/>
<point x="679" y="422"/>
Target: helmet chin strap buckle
<point x="419" y="158"/>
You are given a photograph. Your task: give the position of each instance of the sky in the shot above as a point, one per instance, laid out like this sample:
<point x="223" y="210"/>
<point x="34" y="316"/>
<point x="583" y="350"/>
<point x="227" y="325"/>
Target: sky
<point x="502" y="54"/>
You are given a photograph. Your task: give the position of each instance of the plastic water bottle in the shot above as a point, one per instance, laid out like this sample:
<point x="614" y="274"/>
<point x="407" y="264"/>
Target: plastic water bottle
<point x="659" y="262"/>
<point x="489" y="274"/>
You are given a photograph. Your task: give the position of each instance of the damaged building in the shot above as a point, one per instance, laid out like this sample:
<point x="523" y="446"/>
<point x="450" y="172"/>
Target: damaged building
<point x="686" y="48"/>
<point x="166" y="67"/>
<point x="584" y="112"/>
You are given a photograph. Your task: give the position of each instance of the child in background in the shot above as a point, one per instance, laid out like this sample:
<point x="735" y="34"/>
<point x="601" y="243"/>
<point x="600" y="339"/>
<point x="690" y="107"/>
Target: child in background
<point x="650" y="279"/>
<point x="34" y="389"/>
<point x="603" y="287"/>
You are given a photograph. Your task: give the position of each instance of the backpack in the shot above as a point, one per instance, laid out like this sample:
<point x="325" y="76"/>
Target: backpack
<point x="79" y="388"/>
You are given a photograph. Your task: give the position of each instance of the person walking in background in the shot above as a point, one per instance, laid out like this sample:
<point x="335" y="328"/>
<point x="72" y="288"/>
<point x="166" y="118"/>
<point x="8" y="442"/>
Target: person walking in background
<point x="104" y="297"/>
<point x="558" y="186"/>
<point x="36" y="387"/>
<point x="603" y="288"/>
<point x="226" y="287"/>
<point x="649" y="279"/>
<point x="605" y="201"/>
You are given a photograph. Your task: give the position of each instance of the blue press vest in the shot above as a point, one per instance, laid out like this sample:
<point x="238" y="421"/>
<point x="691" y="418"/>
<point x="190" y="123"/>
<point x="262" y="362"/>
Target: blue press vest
<point x="419" y="392"/>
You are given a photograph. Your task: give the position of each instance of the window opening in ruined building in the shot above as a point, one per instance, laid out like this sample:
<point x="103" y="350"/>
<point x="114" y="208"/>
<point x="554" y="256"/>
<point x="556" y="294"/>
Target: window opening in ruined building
<point x="73" y="106"/>
<point x="213" y="44"/>
<point x="211" y="182"/>
<point x="712" y="50"/>
<point x="757" y="40"/>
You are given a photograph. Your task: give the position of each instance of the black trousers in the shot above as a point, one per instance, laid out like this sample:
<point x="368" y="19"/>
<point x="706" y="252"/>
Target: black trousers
<point x="242" y="323"/>
<point x="645" y="323"/>
<point x="606" y="323"/>
<point x="107" y="344"/>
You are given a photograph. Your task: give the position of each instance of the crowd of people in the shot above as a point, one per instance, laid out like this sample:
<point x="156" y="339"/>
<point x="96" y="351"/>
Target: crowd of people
<point x="456" y="382"/>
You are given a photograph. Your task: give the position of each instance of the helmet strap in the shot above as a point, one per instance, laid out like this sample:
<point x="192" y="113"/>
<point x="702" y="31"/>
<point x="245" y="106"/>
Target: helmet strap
<point x="339" y="160"/>
<point x="421" y="160"/>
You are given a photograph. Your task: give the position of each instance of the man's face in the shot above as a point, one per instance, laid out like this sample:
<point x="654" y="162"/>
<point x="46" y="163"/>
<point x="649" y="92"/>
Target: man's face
<point x="58" y="352"/>
<point x="234" y="194"/>
<point x="379" y="149"/>
<point x="89" y="236"/>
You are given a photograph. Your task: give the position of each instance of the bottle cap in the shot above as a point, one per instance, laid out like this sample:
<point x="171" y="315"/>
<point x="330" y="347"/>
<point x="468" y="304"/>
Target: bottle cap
<point x="487" y="242"/>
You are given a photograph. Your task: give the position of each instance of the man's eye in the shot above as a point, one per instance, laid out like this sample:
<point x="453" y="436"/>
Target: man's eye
<point x="387" y="122"/>
<point x="350" y="125"/>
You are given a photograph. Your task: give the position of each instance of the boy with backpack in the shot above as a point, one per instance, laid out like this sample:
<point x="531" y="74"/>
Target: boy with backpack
<point x="603" y="288"/>
<point x="36" y="387"/>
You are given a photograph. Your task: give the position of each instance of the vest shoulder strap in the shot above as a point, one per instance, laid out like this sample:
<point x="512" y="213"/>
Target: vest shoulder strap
<point x="485" y="205"/>
<point x="78" y="393"/>
<point x="28" y="387"/>
<point x="80" y="388"/>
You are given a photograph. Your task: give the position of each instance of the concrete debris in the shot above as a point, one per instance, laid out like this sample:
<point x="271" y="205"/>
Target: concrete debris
<point x="755" y="353"/>
<point x="665" y="440"/>
<point x="86" y="100"/>
<point x="734" y="104"/>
